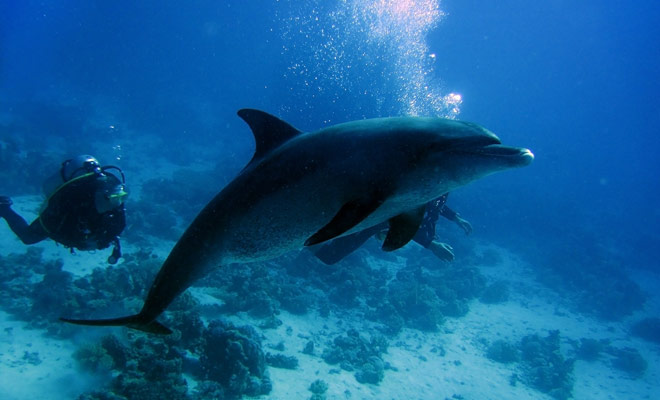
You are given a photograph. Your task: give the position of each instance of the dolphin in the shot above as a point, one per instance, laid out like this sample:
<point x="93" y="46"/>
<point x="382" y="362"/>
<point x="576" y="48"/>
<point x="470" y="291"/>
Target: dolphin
<point x="300" y="189"/>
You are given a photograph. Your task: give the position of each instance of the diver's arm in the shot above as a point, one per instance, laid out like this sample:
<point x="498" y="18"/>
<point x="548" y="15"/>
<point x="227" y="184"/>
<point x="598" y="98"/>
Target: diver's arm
<point x="456" y="218"/>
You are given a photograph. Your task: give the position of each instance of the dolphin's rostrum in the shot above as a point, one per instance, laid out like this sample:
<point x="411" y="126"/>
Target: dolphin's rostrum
<point x="301" y="189"/>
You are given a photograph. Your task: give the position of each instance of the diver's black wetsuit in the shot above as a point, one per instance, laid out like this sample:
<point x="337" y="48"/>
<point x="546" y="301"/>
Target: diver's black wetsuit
<point x="70" y="216"/>
<point x="339" y="248"/>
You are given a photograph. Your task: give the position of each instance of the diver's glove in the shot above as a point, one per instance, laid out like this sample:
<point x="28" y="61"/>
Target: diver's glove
<point x="463" y="224"/>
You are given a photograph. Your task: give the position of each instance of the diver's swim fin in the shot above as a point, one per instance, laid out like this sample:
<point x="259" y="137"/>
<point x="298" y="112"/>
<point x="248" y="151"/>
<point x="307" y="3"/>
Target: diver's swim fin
<point x="134" y="321"/>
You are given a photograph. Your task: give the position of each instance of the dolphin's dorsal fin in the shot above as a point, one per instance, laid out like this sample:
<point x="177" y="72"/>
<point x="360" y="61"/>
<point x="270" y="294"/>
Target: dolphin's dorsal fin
<point x="403" y="228"/>
<point x="269" y="131"/>
<point x="350" y="214"/>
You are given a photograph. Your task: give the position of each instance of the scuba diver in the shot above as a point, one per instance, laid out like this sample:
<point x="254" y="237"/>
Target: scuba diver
<point x="84" y="208"/>
<point x="337" y="249"/>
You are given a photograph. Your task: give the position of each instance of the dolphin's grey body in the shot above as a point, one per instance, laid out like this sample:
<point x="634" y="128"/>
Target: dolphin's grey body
<point x="305" y="188"/>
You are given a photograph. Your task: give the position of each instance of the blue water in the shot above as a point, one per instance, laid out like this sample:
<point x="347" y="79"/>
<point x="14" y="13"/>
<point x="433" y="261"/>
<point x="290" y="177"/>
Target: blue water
<point x="576" y="82"/>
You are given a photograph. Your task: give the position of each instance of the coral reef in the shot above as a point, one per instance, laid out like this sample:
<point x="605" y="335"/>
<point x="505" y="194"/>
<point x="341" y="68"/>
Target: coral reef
<point x="455" y="288"/>
<point x="98" y="395"/>
<point x="144" y="369"/>
<point x="417" y="297"/>
<point x="355" y="353"/>
<point x="544" y="367"/>
<point x="228" y="363"/>
<point x="22" y="168"/>
<point x="32" y="357"/>
<point x="372" y="371"/>
<point x="416" y="303"/>
<point x="611" y="299"/>
<point x="309" y="348"/>
<point x="629" y="361"/>
<point x="94" y="358"/>
<point x="51" y="297"/>
<point x="503" y="352"/>
<point x="166" y="206"/>
<point x="17" y="272"/>
<point x="648" y="329"/>
<point x="318" y="389"/>
<point x="261" y="290"/>
<point x="281" y="361"/>
<point x="157" y="219"/>
<point x="421" y="299"/>
<point x="233" y="357"/>
<point x="590" y="275"/>
<point x="41" y="291"/>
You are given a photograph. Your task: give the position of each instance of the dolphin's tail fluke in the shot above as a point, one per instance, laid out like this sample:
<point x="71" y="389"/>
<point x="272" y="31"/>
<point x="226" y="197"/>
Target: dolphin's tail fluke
<point x="133" y="321"/>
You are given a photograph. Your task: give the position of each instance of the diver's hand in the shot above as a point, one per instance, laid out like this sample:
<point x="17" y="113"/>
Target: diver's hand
<point x="442" y="250"/>
<point x="5" y="201"/>
<point x="463" y="224"/>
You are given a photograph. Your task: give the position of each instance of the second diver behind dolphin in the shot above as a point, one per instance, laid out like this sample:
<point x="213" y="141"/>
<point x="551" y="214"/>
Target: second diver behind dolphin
<point x="301" y="189"/>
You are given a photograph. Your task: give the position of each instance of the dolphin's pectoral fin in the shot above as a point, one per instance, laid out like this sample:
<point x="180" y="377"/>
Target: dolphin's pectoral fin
<point x="351" y="214"/>
<point x="403" y="228"/>
<point x="269" y="131"/>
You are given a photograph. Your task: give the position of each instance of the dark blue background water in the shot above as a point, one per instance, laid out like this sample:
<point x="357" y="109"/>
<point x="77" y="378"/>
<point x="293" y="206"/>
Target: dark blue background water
<point x="577" y="82"/>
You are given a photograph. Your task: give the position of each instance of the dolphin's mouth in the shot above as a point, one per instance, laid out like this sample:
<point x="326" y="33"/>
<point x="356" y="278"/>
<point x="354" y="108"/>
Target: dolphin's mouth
<point x="518" y="155"/>
<point x="491" y="147"/>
